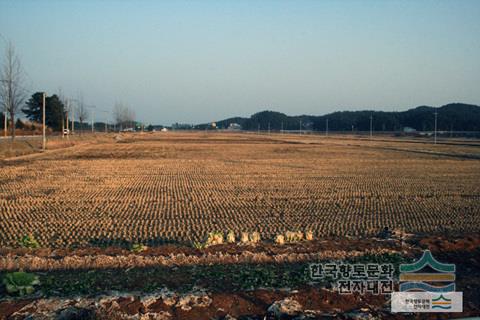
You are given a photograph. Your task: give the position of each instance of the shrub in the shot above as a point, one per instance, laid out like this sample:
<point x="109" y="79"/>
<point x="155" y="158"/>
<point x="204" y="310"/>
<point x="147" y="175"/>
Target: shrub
<point x="231" y="237"/>
<point x="199" y="245"/>
<point x="309" y="235"/>
<point x="20" y="283"/>
<point x="254" y="237"/>
<point x="138" y="247"/>
<point x="19" y="124"/>
<point x="214" y="238"/>
<point x="289" y="236"/>
<point x="299" y="235"/>
<point x="293" y="236"/>
<point x="28" y="241"/>
<point x="280" y="239"/>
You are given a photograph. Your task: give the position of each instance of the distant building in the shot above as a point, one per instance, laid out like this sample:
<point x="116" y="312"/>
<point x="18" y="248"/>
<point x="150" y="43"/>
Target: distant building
<point x="182" y="126"/>
<point x="234" y="127"/>
<point x="409" y="130"/>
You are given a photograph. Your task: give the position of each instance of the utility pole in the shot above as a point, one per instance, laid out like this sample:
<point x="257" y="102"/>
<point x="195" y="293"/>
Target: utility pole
<point x="73" y="120"/>
<point x="435" y="132"/>
<point x="63" y="124"/>
<point x="269" y="128"/>
<point x="66" y="117"/>
<point x="5" y="122"/>
<point x="106" y="124"/>
<point x="73" y="116"/>
<point x="93" y="116"/>
<point x="371" y="127"/>
<point x="258" y="129"/>
<point x="282" y="127"/>
<point x="44" y="139"/>
<point x="326" y="128"/>
<point x="300" y="126"/>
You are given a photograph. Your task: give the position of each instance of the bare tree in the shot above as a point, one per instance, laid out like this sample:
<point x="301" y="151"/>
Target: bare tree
<point x="123" y="115"/>
<point x="81" y="111"/>
<point x="12" y="92"/>
<point x="130" y="117"/>
<point x="118" y="114"/>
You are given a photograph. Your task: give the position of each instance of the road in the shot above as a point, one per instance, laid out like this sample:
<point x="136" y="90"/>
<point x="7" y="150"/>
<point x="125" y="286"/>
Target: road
<point x="21" y="137"/>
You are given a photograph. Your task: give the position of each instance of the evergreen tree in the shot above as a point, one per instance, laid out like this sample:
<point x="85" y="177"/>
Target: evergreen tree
<point x="54" y="111"/>
<point x="19" y="124"/>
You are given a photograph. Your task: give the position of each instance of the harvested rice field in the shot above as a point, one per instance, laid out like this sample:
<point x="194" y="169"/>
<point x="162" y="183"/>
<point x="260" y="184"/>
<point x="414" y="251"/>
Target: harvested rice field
<point x="158" y="188"/>
<point x="133" y="226"/>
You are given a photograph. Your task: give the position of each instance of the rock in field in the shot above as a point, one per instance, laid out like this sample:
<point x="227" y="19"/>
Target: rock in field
<point x="285" y="308"/>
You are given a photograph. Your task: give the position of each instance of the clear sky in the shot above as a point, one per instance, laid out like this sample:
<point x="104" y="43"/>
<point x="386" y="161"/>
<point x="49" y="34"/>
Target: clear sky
<point x="198" y="61"/>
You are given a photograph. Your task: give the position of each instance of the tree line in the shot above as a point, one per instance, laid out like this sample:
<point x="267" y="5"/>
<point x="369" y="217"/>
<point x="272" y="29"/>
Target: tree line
<point x="450" y="117"/>
<point x="58" y="109"/>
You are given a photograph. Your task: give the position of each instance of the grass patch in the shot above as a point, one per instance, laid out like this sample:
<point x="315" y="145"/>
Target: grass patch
<point x="215" y="278"/>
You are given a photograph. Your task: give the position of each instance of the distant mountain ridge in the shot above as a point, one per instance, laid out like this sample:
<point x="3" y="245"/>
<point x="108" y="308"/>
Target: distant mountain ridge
<point x="450" y="117"/>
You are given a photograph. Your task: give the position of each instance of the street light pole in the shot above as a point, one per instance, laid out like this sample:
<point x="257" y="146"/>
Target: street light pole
<point x="93" y="115"/>
<point x="371" y="127"/>
<point x="66" y="116"/>
<point x="44" y="138"/>
<point x="73" y="116"/>
<point x="106" y="124"/>
<point x="73" y="120"/>
<point x="5" y="122"/>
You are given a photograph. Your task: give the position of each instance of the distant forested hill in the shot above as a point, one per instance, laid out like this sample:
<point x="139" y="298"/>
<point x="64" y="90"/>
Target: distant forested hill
<point x="454" y="116"/>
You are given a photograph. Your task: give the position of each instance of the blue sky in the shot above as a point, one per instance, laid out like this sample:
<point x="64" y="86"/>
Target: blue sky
<point x="198" y="61"/>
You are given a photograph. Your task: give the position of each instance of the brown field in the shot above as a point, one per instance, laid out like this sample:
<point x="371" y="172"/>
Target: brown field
<point x="177" y="187"/>
<point x="87" y="200"/>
